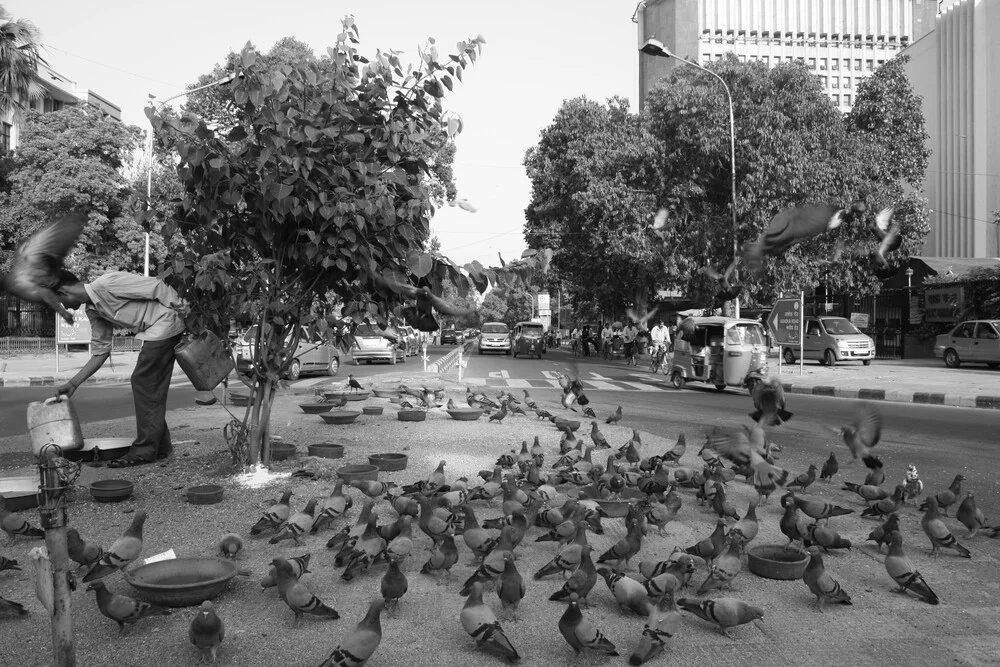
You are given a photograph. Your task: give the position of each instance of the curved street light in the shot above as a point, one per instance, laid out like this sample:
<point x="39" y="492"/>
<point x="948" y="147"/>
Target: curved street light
<point x="654" y="47"/>
<point x="149" y="146"/>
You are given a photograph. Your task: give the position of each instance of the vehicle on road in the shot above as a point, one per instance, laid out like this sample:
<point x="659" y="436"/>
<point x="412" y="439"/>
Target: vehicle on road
<point x="409" y="337"/>
<point x="450" y="337"/>
<point x="829" y="340"/>
<point x="723" y="351"/>
<point x="529" y="339"/>
<point x="972" y="341"/>
<point x="495" y="337"/>
<point x="313" y="354"/>
<point x="372" y="343"/>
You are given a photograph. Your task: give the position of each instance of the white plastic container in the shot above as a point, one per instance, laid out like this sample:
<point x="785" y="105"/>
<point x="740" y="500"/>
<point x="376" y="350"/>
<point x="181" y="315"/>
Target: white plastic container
<point x="54" y="421"/>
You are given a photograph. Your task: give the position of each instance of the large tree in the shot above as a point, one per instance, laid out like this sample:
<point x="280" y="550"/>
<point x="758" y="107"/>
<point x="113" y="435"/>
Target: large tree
<point x="19" y="42"/>
<point x="317" y="190"/>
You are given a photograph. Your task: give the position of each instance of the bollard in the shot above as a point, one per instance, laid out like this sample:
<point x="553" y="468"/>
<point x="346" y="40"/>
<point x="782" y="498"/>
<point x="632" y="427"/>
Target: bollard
<point x="56" y="477"/>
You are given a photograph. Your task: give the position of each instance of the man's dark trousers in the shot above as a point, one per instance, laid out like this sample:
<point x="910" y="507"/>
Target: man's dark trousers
<point x="150" y="383"/>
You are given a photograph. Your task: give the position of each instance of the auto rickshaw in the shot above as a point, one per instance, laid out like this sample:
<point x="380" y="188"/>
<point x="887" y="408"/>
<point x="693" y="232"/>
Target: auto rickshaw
<point x="723" y="351"/>
<point x="529" y="339"/>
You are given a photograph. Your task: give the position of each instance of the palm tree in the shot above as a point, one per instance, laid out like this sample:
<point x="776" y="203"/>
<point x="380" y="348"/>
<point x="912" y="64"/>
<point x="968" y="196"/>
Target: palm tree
<point x="19" y="43"/>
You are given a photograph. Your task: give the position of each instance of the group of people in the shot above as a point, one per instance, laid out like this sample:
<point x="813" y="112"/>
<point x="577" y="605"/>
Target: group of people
<point x="634" y="339"/>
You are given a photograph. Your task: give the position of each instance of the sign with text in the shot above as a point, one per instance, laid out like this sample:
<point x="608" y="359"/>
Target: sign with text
<point x="860" y="320"/>
<point x="544" y="303"/>
<point x="785" y="320"/>
<point x="78" y="332"/>
<point x="943" y="303"/>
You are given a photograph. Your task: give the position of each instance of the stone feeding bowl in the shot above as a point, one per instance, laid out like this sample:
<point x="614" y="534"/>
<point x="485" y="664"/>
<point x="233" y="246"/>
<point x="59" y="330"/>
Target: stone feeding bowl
<point x="326" y="450"/>
<point x="357" y="396"/>
<point x="341" y="417"/>
<point x="372" y="409"/>
<point x="389" y="462"/>
<point x="774" y="561"/>
<point x="206" y="494"/>
<point x="465" y="414"/>
<point x="315" y="408"/>
<point x="395" y="399"/>
<point x="411" y="415"/>
<point x="282" y="450"/>
<point x="385" y="393"/>
<point x="572" y="424"/>
<point x="111" y="490"/>
<point x="350" y="473"/>
<point x="182" y="582"/>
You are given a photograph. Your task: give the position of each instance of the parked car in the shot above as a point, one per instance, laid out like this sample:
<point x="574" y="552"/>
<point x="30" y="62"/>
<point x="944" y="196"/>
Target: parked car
<point x="976" y="341"/>
<point x="829" y="340"/>
<point x="495" y="337"/>
<point x="374" y="344"/>
<point x="313" y="354"/>
<point x="450" y="337"/>
<point x="410" y="338"/>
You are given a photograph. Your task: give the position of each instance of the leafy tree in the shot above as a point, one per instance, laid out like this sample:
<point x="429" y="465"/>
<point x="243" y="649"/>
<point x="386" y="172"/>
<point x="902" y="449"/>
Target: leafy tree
<point x="19" y="42"/>
<point x="70" y="159"/>
<point x="316" y="191"/>
<point x="508" y="303"/>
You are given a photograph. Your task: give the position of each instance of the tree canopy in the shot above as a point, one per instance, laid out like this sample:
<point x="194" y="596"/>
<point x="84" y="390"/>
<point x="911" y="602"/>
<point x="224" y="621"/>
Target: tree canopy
<point x="19" y="58"/>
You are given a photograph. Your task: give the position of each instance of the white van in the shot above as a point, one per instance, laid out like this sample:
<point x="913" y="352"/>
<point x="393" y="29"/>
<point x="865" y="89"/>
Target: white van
<point x="831" y="339"/>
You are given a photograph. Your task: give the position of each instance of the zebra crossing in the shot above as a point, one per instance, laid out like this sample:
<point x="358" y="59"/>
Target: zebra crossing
<point x="593" y="381"/>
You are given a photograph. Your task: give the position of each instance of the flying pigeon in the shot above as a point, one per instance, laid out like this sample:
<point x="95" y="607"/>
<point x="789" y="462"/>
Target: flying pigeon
<point x="888" y="235"/>
<point x="797" y="224"/>
<point x="421" y="315"/>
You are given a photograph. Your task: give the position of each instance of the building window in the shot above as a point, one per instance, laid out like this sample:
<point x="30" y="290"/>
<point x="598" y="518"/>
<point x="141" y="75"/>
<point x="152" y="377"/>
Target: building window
<point x="753" y="59"/>
<point x="822" y="64"/>
<point x="5" y="137"/>
<point x="835" y="65"/>
<point x="869" y="65"/>
<point x="857" y="65"/>
<point x="812" y="63"/>
<point x="836" y="100"/>
<point x="847" y="100"/>
<point x="880" y="62"/>
<point x="788" y="59"/>
<point x="823" y="81"/>
<point x="835" y="82"/>
<point x="847" y="63"/>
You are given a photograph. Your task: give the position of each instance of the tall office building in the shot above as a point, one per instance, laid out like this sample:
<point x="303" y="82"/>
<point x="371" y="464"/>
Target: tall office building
<point x="842" y="41"/>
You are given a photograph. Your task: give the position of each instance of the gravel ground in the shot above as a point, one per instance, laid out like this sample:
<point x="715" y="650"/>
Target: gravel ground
<point x="881" y="627"/>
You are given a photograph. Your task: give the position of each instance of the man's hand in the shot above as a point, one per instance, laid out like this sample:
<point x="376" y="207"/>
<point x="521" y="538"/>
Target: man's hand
<point x="66" y="390"/>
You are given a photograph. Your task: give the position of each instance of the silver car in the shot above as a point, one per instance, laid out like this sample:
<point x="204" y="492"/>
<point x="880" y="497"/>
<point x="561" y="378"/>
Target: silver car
<point x="975" y="341"/>
<point x="371" y="344"/>
<point x="314" y="354"/>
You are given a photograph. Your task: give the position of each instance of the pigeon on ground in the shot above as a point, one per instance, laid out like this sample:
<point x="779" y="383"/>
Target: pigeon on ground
<point x="821" y="584"/>
<point x="295" y="594"/>
<point x="615" y="417"/>
<point x="580" y="633"/>
<point x="230" y="545"/>
<point x="938" y="533"/>
<point x="589" y="412"/>
<point x="394" y="584"/>
<point x="16" y="525"/>
<point x="713" y="545"/>
<point x="360" y="644"/>
<point x="630" y="594"/>
<point x="888" y="505"/>
<point x="600" y="441"/>
<point x="298" y="524"/>
<point x="804" y="480"/>
<point x="864" y="433"/>
<point x="679" y="564"/>
<point x="792" y="524"/>
<point x="332" y="507"/>
<point x="830" y="468"/>
<point x="912" y="484"/>
<point x="674" y="454"/>
<point x="883" y="533"/>
<point x="86" y="554"/>
<point x="817" y="509"/>
<point x="274" y="517"/>
<point x="876" y="473"/>
<point x="510" y="586"/>
<point x="481" y="624"/>
<point x="367" y="549"/>
<point x="11" y="607"/>
<point x="724" y="569"/>
<point x="494" y="563"/>
<point x="8" y="564"/>
<point x="662" y="623"/>
<point x="122" y="609"/>
<point x="947" y="498"/>
<point x="744" y="530"/>
<point x="968" y="514"/>
<point x="724" y="612"/>
<point x="582" y="581"/>
<point x="868" y="492"/>
<point x="825" y="537"/>
<point x="37" y="270"/>
<point x="443" y="557"/>
<point x="125" y="549"/>
<point x="769" y="403"/>
<point x="903" y="573"/>
<point x="300" y="566"/>
<point x="207" y="631"/>
<point x="627" y="547"/>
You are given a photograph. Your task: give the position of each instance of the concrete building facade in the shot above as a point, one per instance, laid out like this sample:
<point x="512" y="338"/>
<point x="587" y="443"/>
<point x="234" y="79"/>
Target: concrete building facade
<point x="954" y="68"/>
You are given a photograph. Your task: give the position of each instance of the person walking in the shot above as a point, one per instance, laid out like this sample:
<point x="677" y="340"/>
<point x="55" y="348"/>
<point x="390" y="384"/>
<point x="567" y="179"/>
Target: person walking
<point x="606" y="334"/>
<point x="151" y="309"/>
<point x="628" y="338"/>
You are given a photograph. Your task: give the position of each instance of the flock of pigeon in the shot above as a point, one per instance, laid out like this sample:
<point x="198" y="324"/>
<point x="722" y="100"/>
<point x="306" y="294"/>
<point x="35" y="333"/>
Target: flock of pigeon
<point x="566" y="502"/>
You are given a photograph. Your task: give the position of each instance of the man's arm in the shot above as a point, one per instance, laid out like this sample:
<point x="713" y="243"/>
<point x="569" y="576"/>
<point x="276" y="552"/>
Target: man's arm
<point x="94" y="363"/>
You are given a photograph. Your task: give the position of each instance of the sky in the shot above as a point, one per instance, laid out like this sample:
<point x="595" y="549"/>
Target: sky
<point x="538" y="53"/>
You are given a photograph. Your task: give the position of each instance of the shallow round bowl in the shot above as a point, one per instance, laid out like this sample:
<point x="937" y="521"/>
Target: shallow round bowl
<point x="389" y="462"/>
<point x="326" y="450"/>
<point x="372" y="409"/>
<point x="206" y="494"/>
<point x="615" y="508"/>
<point x="350" y="473"/>
<point x="341" y="417"/>
<point x="358" y="396"/>
<point x="395" y="399"/>
<point x="411" y="415"/>
<point x="385" y="393"/>
<point x="182" y="582"/>
<point x="111" y="490"/>
<point x="315" y="408"/>
<point x="100" y="449"/>
<point x="773" y="561"/>
<point x="573" y="425"/>
<point x="20" y="493"/>
<point x="281" y="450"/>
<point x="466" y="414"/>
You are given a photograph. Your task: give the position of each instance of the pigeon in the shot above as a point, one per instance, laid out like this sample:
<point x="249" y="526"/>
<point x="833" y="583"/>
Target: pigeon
<point x="662" y="623"/>
<point x="37" y="270"/>
<point x="821" y="584"/>
<point x="659" y="224"/>
<point x="629" y="593"/>
<point x="300" y="566"/>
<point x="332" y="507"/>
<point x="298" y="524"/>
<point x="864" y="433"/>
<point x="886" y="505"/>
<point x="791" y="524"/>
<point x="368" y="548"/>
<point x="580" y="633"/>
<point x="744" y="530"/>
<point x="830" y="468"/>
<point x="769" y="403"/>
<point x="295" y="594"/>
<point x="876" y="472"/>
<point x="207" y="631"/>
<point x="903" y="573"/>
<point x="825" y="537"/>
<point x="748" y="447"/>
<point x="882" y="534"/>
<point x="711" y="546"/>
<point x="478" y="620"/>
<point x="569" y="556"/>
<point x="11" y="607"/>
<point x="727" y="290"/>
<point x="8" y="564"/>
<point x="721" y="505"/>
<point x="868" y="492"/>
<point x="817" y="509"/>
<point x="627" y="547"/>
<point x="353" y="384"/>
<point x="494" y="563"/>
<point x="274" y="517"/>
<point x="888" y="235"/>
<point x="443" y="557"/>
<point x="600" y="441"/>
<point x="567" y="401"/>
<point x="589" y="412"/>
<point x="358" y="646"/>
<point x="499" y="415"/>
<point x="913" y="485"/>
<point x="641" y="321"/>
<point x="674" y="454"/>
<point x="124" y="550"/>
<point x="394" y="584"/>
<point x="86" y="554"/>
<point x="122" y="609"/>
<point x="16" y="525"/>
<point x="946" y="498"/>
<point x="582" y="581"/>
<point x="679" y="564"/>
<point x="797" y="224"/>
<point x="805" y="479"/>
<point x="615" y="417"/>
<point x="937" y="532"/>
<point x="968" y="514"/>
<point x="230" y="545"/>
<point x="724" y="568"/>
<point x="372" y="489"/>
<point x="421" y="315"/>
<point x="724" y="612"/>
<point x="510" y="586"/>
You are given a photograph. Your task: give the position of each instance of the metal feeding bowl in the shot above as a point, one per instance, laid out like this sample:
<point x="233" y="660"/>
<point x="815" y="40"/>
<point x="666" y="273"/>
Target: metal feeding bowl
<point x="111" y="490"/>
<point x="100" y="449"/>
<point x="182" y="582"/>
<point x="465" y="414"/>
<point x="774" y="561"/>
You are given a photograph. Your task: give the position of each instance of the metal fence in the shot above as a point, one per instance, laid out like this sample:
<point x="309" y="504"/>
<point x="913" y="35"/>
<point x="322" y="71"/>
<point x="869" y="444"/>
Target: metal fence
<point x="32" y="345"/>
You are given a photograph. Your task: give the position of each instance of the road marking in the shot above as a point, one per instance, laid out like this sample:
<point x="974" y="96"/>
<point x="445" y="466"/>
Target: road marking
<point x="519" y="384"/>
<point x="551" y="375"/>
<point x="499" y="374"/>
<point x="599" y="377"/>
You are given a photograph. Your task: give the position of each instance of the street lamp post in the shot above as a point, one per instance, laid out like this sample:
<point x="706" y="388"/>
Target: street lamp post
<point x="654" y="47"/>
<point x="149" y="149"/>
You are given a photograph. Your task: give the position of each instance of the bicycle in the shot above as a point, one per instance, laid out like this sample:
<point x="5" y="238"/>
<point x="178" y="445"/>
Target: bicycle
<point x="574" y="347"/>
<point x="658" y="358"/>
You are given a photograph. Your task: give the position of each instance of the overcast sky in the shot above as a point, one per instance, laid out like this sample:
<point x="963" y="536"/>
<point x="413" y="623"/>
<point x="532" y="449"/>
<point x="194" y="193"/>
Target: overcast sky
<point x="538" y="53"/>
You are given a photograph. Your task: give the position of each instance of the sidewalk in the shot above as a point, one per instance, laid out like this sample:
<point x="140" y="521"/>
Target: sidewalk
<point x="925" y="381"/>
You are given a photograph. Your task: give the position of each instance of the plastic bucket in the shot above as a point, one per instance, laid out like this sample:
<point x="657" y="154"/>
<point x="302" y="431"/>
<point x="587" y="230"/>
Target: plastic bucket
<point x="54" y="421"/>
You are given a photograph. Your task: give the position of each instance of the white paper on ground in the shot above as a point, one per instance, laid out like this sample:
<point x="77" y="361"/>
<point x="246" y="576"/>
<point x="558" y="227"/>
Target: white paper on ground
<point x="166" y="555"/>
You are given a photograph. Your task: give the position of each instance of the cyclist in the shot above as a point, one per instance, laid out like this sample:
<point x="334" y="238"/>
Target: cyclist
<point x="628" y="337"/>
<point x="606" y="340"/>
<point x="660" y="338"/>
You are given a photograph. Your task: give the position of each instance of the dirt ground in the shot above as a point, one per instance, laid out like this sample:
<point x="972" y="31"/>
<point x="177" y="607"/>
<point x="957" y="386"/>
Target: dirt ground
<point x="881" y="626"/>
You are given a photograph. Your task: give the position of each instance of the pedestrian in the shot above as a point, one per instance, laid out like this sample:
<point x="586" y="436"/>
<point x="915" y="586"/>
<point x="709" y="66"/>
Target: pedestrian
<point x="152" y="309"/>
<point x="606" y="334"/>
<point x="629" y="335"/>
<point x="586" y="340"/>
